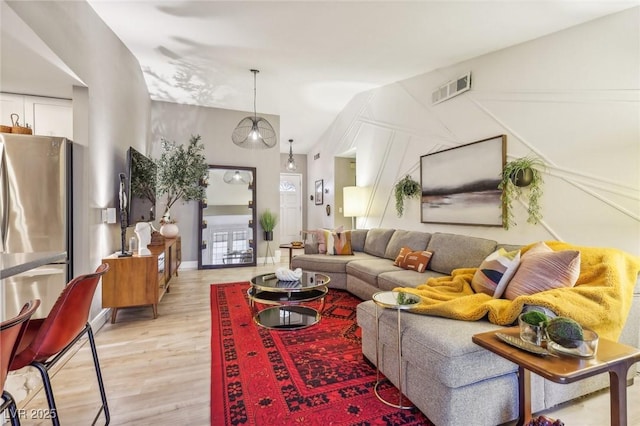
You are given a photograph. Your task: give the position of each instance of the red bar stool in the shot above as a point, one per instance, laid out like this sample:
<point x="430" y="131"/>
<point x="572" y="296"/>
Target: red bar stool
<point x="11" y="332"/>
<point x="47" y="340"/>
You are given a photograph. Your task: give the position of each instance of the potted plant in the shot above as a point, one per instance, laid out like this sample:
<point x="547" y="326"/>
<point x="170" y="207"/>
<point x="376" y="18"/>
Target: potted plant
<point x="516" y="175"/>
<point x="406" y="188"/>
<point x="268" y="221"/>
<point x="180" y="171"/>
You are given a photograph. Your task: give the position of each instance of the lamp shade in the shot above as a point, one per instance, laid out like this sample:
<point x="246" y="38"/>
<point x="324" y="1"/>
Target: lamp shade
<point x="237" y="177"/>
<point x="254" y="132"/>
<point x="355" y="201"/>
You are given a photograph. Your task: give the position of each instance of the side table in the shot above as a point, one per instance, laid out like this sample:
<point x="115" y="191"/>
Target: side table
<point x="389" y="300"/>
<point x="611" y="357"/>
<point x="291" y="247"/>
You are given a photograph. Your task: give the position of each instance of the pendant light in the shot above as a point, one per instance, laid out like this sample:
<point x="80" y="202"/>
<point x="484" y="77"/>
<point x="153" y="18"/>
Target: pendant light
<point x="254" y="132"/>
<point x="291" y="163"/>
<point x="236" y="177"/>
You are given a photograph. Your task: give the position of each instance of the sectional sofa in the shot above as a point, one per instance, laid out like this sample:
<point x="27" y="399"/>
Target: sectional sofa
<point x="449" y="378"/>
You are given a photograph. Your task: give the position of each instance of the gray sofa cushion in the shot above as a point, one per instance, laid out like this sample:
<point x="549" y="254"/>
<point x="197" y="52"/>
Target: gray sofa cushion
<point x="453" y="251"/>
<point x="368" y="270"/>
<point x="416" y="241"/>
<point x="357" y="239"/>
<point x="326" y="263"/>
<point x="377" y="240"/>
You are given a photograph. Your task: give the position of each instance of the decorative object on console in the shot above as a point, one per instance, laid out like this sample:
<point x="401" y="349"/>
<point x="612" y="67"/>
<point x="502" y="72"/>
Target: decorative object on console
<point x="268" y="222"/>
<point x="291" y="162"/>
<point x="460" y="185"/>
<point x="180" y="173"/>
<point x="143" y="231"/>
<point x="168" y="227"/>
<point x="319" y="192"/>
<point x="406" y="188"/>
<point x="254" y="132"/>
<point x="517" y="174"/>
<point x="123" y="217"/>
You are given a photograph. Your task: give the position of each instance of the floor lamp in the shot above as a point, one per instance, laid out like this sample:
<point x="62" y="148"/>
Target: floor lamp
<point x="355" y="203"/>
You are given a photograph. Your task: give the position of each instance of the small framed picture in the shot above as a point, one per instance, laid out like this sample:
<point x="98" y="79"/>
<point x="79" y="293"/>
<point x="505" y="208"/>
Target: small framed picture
<point x="319" y="192"/>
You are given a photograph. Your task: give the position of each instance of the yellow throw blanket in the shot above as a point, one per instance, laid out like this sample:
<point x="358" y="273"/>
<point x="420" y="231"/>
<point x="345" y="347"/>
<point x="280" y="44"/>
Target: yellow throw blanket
<point x="600" y="300"/>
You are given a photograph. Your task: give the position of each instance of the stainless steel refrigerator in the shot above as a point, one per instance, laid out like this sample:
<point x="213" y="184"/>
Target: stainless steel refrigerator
<point x="35" y="215"/>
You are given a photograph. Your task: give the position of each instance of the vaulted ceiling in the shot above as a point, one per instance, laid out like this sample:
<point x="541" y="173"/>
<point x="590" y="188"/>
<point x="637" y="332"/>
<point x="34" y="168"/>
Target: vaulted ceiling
<point x="314" y="56"/>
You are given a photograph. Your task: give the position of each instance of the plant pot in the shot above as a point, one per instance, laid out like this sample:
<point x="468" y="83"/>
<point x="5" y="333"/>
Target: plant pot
<point x="169" y="230"/>
<point x="268" y="235"/>
<point x="522" y="178"/>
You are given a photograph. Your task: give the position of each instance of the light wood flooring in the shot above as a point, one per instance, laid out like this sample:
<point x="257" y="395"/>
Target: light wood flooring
<point x="157" y="372"/>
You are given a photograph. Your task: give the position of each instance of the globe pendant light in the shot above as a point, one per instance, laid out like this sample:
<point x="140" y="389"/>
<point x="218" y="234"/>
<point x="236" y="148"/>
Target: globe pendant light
<point x="254" y="132"/>
<point x="291" y="163"/>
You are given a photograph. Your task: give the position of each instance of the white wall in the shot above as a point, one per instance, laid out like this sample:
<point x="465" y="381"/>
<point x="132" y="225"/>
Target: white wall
<point x="177" y="123"/>
<point x="109" y="115"/>
<point x="571" y="98"/>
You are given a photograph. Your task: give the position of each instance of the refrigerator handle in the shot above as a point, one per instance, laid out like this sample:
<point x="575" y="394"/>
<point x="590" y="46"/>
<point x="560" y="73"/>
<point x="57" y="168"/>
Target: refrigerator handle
<point x="4" y="202"/>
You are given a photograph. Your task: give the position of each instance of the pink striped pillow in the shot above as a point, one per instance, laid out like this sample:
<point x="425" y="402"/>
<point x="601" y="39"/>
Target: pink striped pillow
<point x="544" y="269"/>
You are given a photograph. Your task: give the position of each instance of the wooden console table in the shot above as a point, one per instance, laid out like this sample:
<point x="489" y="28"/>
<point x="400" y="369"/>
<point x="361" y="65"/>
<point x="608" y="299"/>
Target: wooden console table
<point x="612" y="357"/>
<point x="140" y="280"/>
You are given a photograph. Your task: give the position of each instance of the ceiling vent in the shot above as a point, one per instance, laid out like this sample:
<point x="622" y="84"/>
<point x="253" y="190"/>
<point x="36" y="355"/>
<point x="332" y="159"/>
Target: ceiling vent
<point x="451" y="88"/>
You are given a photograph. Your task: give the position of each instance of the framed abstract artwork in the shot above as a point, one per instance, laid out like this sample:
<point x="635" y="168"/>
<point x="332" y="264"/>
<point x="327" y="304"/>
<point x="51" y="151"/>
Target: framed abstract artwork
<point x="319" y="192"/>
<point x="460" y="185"/>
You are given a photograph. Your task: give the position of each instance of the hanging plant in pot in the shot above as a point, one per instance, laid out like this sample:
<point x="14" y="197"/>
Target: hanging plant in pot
<point x="406" y="188"/>
<point x="180" y="171"/>
<point x="516" y="176"/>
<point x="268" y="221"/>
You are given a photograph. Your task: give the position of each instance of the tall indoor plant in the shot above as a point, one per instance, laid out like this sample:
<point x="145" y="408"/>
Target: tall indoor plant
<point x="268" y="221"/>
<point x="180" y="173"/>
<point x="516" y="175"/>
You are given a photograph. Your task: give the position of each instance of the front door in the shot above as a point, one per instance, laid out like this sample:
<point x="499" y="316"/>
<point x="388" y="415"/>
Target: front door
<point x="290" y="207"/>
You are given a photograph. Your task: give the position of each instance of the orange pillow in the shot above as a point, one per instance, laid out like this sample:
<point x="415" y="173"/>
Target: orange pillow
<point x="413" y="260"/>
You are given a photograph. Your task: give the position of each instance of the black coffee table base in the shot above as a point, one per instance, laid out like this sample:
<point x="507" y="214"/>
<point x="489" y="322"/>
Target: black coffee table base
<point x="287" y="317"/>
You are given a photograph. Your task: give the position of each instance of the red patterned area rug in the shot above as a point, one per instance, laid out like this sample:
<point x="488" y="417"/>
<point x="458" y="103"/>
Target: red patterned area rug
<point x="313" y="376"/>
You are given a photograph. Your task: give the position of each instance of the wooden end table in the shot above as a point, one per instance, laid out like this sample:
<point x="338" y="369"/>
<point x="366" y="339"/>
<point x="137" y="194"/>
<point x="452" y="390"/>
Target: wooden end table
<point x="291" y="247"/>
<point x="611" y="357"/>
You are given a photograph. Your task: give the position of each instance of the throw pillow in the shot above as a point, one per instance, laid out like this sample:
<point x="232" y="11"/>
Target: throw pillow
<point x="417" y="260"/>
<point x="544" y="269"/>
<point x="413" y="260"/>
<point x="495" y="271"/>
<point x="342" y="243"/>
<point x="325" y="240"/>
<point x="404" y="251"/>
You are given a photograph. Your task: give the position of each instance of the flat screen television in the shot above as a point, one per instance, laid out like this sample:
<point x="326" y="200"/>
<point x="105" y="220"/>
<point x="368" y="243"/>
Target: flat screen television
<point x="141" y="206"/>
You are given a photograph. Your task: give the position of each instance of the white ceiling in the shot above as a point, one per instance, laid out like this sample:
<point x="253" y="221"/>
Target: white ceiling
<point x="314" y="56"/>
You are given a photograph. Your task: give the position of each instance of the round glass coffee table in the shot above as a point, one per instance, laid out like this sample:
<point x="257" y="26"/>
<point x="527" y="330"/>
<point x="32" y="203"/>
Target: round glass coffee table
<point x="285" y="305"/>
